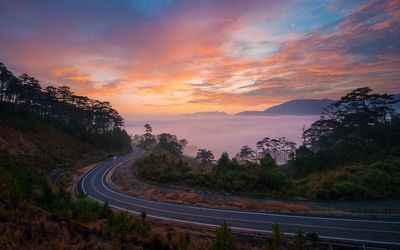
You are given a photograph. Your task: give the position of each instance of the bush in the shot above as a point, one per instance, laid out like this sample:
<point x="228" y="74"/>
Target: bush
<point x="86" y="209"/>
<point x="376" y="180"/>
<point x="122" y="226"/>
<point x="231" y="177"/>
<point x="224" y="238"/>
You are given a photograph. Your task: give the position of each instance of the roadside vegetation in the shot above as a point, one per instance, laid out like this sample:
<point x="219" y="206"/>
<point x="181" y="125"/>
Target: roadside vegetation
<point x="36" y="214"/>
<point x="43" y="129"/>
<point x="40" y="130"/>
<point x="226" y="175"/>
<point x="352" y="145"/>
<point x="165" y="164"/>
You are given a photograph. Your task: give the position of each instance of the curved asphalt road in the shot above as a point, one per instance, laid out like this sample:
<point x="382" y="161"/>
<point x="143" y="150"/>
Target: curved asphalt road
<point x="346" y="230"/>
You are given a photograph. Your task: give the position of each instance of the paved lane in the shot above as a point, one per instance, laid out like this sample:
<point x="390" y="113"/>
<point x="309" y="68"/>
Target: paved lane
<point x="363" y="231"/>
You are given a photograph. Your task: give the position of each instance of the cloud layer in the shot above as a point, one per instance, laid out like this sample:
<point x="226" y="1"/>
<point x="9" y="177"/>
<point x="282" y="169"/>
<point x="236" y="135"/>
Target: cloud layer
<point x="185" y="56"/>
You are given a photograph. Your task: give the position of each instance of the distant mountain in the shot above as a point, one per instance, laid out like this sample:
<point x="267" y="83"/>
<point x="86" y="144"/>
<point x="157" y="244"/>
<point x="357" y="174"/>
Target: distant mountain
<point x="294" y="107"/>
<point x="210" y="113"/>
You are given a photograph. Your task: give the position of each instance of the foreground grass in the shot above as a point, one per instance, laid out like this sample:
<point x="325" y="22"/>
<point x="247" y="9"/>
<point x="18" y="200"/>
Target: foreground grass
<point x="358" y="181"/>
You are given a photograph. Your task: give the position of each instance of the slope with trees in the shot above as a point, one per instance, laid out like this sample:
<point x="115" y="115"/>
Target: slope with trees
<point x="89" y="120"/>
<point x="353" y="151"/>
<point x="360" y="127"/>
<point x="354" y="144"/>
<point x="42" y="129"/>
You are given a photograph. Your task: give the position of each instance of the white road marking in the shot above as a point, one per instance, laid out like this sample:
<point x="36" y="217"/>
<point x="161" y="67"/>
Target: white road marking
<point x="232" y="211"/>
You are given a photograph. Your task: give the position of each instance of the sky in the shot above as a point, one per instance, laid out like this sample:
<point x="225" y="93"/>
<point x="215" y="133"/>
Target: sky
<point x="181" y="56"/>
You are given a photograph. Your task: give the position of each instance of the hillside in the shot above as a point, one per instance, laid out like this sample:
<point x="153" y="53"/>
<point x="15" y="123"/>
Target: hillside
<point x="41" y="130"/>
<point x="342" y="153"/>
<point x="294" y="107"/>
<point x="24" y="134"/>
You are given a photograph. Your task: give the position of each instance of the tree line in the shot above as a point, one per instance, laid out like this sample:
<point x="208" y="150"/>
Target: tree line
<point x="61" y="104"/>
<point x="360" y="127"/>
<point x="164" y="141"/>
<point x="275" y="150"/>
<point x="278" y="150"/>
<point x="353" y="144"/>
<point x="166" y="164"/>
<point x="58" y="102"/>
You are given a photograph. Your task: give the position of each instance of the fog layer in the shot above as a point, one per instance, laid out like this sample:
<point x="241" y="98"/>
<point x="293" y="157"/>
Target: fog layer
<point x="227" y="133"/>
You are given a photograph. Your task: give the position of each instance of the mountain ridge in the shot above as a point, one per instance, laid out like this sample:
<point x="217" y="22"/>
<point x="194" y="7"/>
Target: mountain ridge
<point x="206" y="113"/>
<point x="293" y="107"/>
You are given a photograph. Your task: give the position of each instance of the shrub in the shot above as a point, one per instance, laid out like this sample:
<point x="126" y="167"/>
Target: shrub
<point x="224" y="238"/>
<point x="86" y="209"/>
<point x="229" y="176"/>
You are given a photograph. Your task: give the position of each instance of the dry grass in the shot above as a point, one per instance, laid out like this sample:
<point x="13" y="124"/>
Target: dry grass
<point x="15" y="141"/>
<point x="86" y="168"/>
<point x="194" y="198"/>
<point x="36" y="229"/>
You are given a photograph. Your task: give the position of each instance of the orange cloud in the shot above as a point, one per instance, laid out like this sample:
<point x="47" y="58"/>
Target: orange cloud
<point x="71" y="74"/>
<point x="183" y="61"/>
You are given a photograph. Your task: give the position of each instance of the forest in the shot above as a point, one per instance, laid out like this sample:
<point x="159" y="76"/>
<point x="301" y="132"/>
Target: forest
<point x="43" y="129"/>
<point x="90" y="120"/>
<point x="353" y="145"/>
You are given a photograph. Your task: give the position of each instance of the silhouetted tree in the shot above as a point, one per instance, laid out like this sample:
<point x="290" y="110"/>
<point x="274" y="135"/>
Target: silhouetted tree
<point x="264" y="146"/>
<point x="359" y="118"/>
<point x="206" y="157"/>
<point x="360" y="127"/>
<point x="267" y="161"/>
<point x="95" y="120"/>
<point x="148" y="128"/>
<point x="246" y="154"/>
<point x="224" y="161"/>
<point x="5" y="78"/>
<point x="280" y="149"/>
<point x="171" y="143"/>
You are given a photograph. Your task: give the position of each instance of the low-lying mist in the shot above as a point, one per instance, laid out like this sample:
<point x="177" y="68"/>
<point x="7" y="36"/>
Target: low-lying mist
<point x="224" y="133"/>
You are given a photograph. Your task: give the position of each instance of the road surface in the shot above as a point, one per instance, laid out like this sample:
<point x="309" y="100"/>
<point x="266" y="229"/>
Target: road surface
<point x="345" y="230"/>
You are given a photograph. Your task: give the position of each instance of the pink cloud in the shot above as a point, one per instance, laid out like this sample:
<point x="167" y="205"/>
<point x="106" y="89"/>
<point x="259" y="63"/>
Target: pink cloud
<point x="181" y="59"/>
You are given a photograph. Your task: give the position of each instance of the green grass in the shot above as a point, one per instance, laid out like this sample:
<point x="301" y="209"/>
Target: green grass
<point x="358" y="181"/>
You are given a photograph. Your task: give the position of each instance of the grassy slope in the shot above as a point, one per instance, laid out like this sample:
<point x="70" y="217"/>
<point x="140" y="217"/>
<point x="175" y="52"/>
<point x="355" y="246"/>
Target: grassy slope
<point x="45" y="142"/>
<point x="380" y="179"/>
<point x="34" y="213"/>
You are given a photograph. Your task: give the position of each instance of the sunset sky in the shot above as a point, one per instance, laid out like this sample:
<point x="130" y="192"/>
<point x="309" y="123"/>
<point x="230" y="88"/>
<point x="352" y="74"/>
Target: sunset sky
<point x="167" y="56"/>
